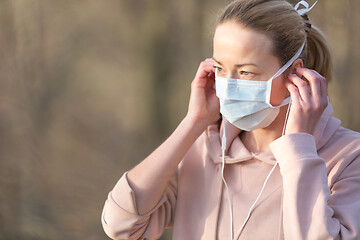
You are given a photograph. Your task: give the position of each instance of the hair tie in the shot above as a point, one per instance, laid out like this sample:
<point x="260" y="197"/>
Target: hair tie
<point x="304" y="10"/>
<point x="307" y="23"/>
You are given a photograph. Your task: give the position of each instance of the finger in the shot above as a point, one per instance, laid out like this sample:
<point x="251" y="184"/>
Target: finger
<point x="211" y="75"/>
<point x="315" y="86"/>
<point x="303" y="88"/>
<point x="202" y="75"/>
<point x="324" y="96"/>
<point x="323" y="84"/>
<point x="319" y="85"/>
<point x="204" y="69"/>
<point x="315" y="80"/>
<point x="210" y="60"/>
<point x="211" y="80"/>
<point x="201" y="78"/>
<point x="294" y="93"/>
<point x="308" y="73"/>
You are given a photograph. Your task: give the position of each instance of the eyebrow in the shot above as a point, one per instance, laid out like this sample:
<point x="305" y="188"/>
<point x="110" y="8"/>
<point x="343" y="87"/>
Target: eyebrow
<point x="237" y="65"/>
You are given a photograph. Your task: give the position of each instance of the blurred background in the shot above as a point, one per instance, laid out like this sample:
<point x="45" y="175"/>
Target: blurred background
<point x="89" y="88"/>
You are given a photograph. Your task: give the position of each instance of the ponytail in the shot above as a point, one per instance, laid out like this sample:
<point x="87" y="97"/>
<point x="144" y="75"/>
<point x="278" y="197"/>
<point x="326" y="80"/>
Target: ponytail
<point x="318" y="55"/>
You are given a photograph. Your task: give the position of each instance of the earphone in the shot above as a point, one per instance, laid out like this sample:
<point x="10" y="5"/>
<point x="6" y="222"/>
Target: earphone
<point x="223" y="148"/>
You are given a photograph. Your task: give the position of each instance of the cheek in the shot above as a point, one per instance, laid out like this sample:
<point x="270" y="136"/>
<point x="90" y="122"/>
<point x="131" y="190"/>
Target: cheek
<point x="278" y="91"/>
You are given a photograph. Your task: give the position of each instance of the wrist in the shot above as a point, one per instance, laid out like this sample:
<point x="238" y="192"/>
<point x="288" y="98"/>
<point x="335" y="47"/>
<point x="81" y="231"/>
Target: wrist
<point x="299" y="130"/>
<point x="194" y="125"/>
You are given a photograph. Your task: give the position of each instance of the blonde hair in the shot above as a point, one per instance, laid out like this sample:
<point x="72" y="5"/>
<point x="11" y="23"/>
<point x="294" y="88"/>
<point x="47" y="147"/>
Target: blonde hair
<point x="288" y="30"/>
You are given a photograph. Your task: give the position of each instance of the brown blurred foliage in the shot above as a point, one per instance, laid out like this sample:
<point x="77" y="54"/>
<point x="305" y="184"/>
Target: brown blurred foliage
<point x="89" y="88"/>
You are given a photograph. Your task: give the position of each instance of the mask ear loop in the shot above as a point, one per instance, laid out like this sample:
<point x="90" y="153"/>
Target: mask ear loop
<point x="280" y="71"/>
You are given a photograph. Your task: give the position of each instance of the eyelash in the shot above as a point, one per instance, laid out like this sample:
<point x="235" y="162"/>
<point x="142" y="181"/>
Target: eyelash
<point x="218" y="68"/>
<point x="246" y="73"/>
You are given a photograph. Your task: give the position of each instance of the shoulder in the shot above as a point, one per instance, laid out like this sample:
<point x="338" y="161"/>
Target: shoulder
<point x="342" y="154"/>
<point x="347" y="133"/>
<point x="345" y="139"/>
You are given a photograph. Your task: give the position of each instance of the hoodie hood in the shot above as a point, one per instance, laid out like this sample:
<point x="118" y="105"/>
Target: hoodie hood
<point x="237" y="152"/>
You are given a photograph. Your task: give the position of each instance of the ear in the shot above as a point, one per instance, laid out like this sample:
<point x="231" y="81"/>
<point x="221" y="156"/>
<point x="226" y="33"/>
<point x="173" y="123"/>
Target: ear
<point x="298" y="63"/>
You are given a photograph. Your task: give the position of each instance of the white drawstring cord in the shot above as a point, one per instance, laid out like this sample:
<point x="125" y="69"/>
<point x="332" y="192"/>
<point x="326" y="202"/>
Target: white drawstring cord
<point x="286" y="118"/>
<point x="223" y="147"/>
<point x="257" y="199"/>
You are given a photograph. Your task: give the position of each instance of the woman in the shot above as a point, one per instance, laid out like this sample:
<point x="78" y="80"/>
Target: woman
<point x="281" y="171"/>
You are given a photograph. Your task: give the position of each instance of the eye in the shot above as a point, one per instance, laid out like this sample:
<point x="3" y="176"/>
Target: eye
<point x="219" y="69"/>
<point x="245" y="73"/>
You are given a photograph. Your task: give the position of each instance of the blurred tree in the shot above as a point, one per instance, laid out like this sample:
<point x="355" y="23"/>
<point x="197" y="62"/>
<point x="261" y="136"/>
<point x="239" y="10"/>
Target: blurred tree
<point x="89" y="88"/>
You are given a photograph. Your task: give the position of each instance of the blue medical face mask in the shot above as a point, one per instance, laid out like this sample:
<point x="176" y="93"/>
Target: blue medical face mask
<point x="245" y="103"/>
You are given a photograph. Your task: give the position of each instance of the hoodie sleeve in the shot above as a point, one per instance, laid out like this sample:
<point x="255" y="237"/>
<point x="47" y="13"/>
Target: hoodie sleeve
<point x="311" y="209"/>
<point x="120" y="218"/>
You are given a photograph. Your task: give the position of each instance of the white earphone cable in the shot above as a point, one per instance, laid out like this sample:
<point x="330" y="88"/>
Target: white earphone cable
<point x="257" y="199"/>
<point x="223" y="148"/>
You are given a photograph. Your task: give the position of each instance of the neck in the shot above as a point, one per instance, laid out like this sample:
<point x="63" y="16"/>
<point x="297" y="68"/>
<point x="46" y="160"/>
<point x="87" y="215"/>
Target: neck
<point x="259" y="140"/>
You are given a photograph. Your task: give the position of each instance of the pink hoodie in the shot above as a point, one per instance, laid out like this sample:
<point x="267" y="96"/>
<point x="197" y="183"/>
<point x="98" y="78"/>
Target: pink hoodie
<point x="313" y="194"/>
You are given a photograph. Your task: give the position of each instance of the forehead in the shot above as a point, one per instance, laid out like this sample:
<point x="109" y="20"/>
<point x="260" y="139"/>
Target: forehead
<point x="233" y="42"/>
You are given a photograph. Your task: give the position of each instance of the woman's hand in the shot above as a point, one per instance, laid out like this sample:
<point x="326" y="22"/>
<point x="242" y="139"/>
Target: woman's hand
<point x="308" y="100"/>
<point x="150" y="178"/>
<point x="204" y="107"/>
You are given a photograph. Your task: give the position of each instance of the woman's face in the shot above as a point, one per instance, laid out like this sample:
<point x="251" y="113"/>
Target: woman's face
<point x="246" y="54"/>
